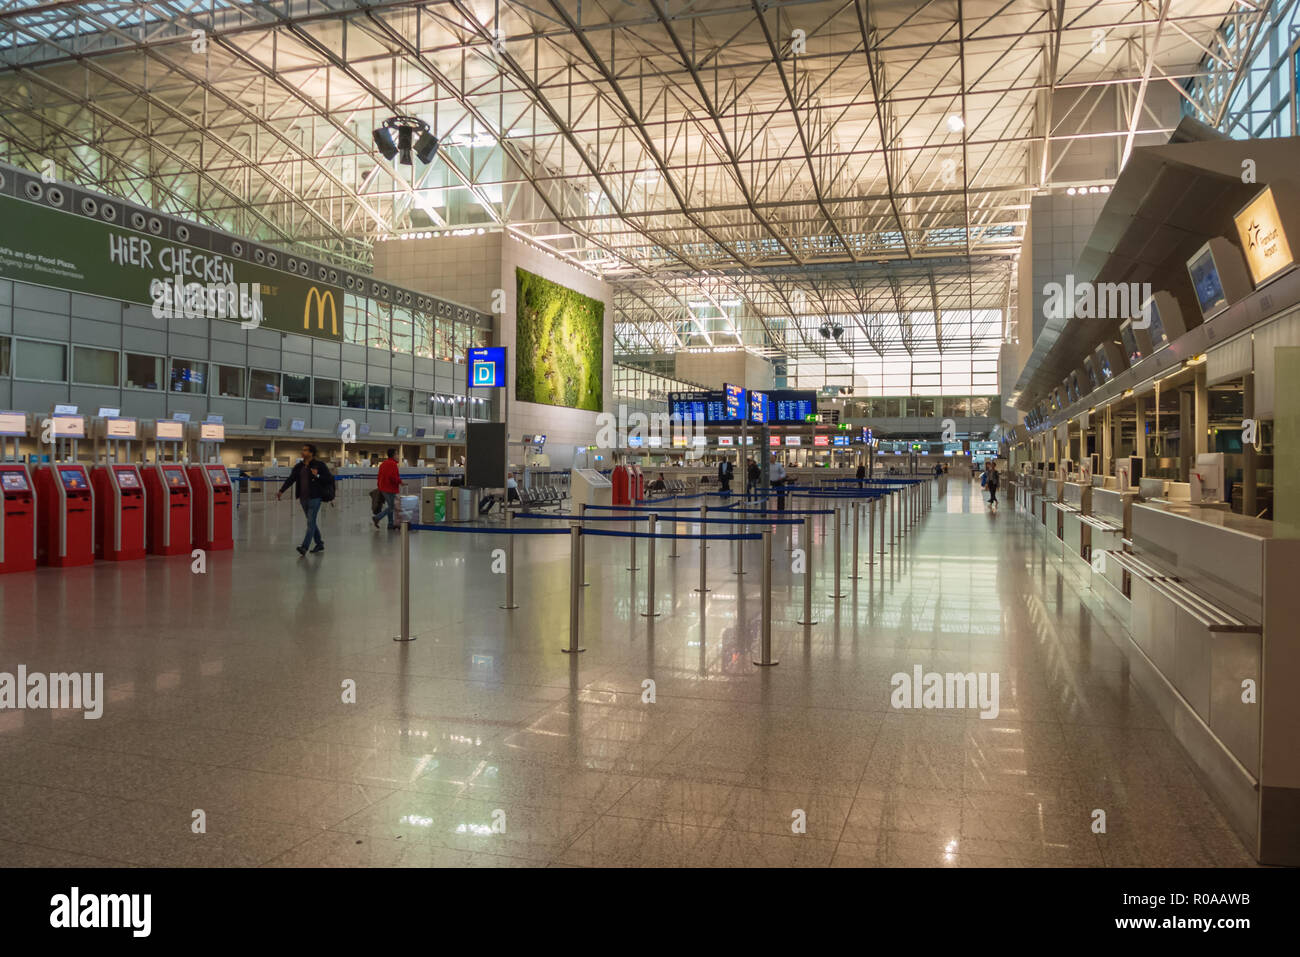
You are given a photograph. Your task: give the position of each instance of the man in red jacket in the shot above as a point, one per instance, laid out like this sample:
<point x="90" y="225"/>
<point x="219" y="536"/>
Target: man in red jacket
<point x="390" y="483"/>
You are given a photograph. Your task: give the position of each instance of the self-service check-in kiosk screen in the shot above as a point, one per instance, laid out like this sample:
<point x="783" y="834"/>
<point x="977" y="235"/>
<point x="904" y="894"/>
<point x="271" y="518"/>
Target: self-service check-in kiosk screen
<point x="119" y="428"/>
<point x="13" y="423"/>
<point x="175" y="478"/>
<point x="170" y="431"/>
<point x="218" y="476"/>
<point x="74" y="480"/>
<point x="13" y="482"/>
<point x="126" y="479"/>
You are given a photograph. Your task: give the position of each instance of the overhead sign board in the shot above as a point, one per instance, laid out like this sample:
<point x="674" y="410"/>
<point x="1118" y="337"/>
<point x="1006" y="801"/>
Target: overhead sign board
<point x="487" y="367"/>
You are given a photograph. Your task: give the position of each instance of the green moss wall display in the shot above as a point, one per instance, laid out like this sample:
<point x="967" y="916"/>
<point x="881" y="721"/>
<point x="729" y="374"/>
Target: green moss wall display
<point x="559" y="344"/>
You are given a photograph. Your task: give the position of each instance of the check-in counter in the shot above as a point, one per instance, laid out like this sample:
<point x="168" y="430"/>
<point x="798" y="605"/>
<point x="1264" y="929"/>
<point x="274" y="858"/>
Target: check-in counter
<point x="1075" y="508"/>
<point x="1214" y="642"/>
<point x="1050" y="515"/>
<point x="1109" y="526"/>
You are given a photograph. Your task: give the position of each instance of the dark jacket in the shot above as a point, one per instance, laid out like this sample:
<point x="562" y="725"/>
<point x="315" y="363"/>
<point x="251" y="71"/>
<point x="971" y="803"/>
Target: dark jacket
<point x="321" y="483"/>
<point x="862" y="471"/>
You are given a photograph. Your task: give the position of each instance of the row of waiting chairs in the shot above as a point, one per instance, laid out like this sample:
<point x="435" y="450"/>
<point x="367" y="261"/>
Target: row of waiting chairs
<point x="547" y="495"/>
<point x="672" y="487"/>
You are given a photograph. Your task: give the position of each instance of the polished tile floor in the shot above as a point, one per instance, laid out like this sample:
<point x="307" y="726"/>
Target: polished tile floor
<point x="481" y="744"/>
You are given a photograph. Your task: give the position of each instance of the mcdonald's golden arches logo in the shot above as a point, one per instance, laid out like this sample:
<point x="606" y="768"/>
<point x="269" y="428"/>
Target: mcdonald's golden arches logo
<point x="321" y="299"/>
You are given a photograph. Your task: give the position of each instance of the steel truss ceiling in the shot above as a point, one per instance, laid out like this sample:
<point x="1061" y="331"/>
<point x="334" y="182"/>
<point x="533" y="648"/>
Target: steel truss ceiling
<point x="802" y="160"/>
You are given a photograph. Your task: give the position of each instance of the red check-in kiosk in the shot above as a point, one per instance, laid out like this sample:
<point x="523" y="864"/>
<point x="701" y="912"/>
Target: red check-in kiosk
<point x="212" y="498"/>
<point x="119" y="512"/>
<point x="167" y="498"/>
<point x="65" y="525"/>
<point x="18" y="521"/>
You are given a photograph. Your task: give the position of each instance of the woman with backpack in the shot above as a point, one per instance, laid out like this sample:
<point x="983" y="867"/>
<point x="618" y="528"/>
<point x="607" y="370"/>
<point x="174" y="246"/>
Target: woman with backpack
<point x="313" y="485"/>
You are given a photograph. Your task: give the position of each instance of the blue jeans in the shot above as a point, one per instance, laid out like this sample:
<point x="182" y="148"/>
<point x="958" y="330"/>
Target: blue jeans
<point x="390" y="508"/>
<point x="311" y="508"/>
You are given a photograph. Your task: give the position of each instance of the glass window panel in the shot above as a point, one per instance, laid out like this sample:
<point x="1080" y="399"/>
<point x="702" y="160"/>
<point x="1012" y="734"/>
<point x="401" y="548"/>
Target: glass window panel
<point x="5" y="348"/>
<point x="326" y="392"/>
<point x="230" y="381"/>
<point x="46" y="361"/>
<point x="401" y="400"/>
<point x="143" y="372"/>
<point x="378" y="398"/>
<point x="189" y="377"/>
<point x="94" y="366"/>
<point x="264" y="385"/>
<point x="354" y="395"/>
<point x="297" y="388"/>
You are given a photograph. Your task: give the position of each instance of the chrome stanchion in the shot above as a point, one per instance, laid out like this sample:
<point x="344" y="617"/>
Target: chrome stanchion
<point x="510" y="565"/>
<point x="836" y="581"/>
<point x="703" y="564"/>
<point x="883" y="507"/>
<point x="740" y="550"/>
<point x="704" y="517"/>
<point x="807" y="619"/>
<point x="673" y="553"/>
<point x="766" y="648"/>
<point x="406" y="584"/>
<point x="856" y="520"/>
<point x="650" y="569"/>
<point x="582" y="547"/>
<point x="575" y="579"/>
<point x="631" y="527"/>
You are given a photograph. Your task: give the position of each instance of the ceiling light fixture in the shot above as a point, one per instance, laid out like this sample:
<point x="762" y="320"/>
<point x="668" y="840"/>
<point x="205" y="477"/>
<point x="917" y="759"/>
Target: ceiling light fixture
<point x="399" y="136"/>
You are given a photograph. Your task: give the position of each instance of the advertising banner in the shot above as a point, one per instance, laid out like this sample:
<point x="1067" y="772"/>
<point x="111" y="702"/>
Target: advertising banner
<point x="80" y="254"/>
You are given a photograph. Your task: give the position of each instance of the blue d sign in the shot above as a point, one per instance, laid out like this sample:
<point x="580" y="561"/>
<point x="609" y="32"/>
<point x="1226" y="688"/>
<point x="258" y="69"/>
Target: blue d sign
<point x="487" y="367"/>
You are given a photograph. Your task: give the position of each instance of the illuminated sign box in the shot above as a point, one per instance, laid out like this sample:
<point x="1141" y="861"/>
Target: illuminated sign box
<point x="1263" y="238"/>
<point x="212" y="432"/>
<point x="725" y="440"/>
<point x="169" y="431"/>
<point x="820" y="440"/>
<point x="13" y="423"/>
<point x="69" y="427"/>
<point x="119" y="428"/>
<point x="487" y="367"/>
<point x="792" y="440"/>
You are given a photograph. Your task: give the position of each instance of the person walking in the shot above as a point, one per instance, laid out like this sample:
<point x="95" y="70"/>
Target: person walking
<point x="753" y="478"/>
<point x="862" y="474"/>
<point x="389" y="485"/>
<point x="313" y="485"/>
<point x="993" y="481"/>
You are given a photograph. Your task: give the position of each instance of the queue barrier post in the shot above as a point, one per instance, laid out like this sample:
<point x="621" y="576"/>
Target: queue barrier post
<point x="857" y="517"/>
<point x="703" y="559"/>
<point x="510" y="565"/>
<point x="807" y="619"/>
<point x="405" y="634"/>
<point x="631" y="527"/>
<point x="575" y="580"/>
<point x="835" y="585"/>
<point x="766" y="635"/>
<point x="650" y="569"/>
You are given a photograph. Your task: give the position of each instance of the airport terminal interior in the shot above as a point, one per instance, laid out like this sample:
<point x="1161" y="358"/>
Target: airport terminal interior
<point x="672" y="433"/>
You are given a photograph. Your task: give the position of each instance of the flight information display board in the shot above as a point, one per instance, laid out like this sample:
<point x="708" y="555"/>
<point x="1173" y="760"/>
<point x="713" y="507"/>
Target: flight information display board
<point x="735" y="401"/>
<point x="792" y="405"/>
<point x="758" y="407"/>
<point x="689" y="406"/>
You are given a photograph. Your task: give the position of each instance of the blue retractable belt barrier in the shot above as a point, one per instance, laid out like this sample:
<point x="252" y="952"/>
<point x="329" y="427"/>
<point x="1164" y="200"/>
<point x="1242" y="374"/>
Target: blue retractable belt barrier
<point x="489" y="529"/>
<point x="753" y="536"/>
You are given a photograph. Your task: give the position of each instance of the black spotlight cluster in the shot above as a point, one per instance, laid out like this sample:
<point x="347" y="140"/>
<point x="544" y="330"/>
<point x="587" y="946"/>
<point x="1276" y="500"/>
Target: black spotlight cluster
<point x="831" y="330"/>
<point x="401" y="135"/>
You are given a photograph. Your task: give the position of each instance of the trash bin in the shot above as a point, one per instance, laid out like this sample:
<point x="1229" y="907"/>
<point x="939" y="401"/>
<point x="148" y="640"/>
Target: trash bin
<point x="464" y="504"/>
